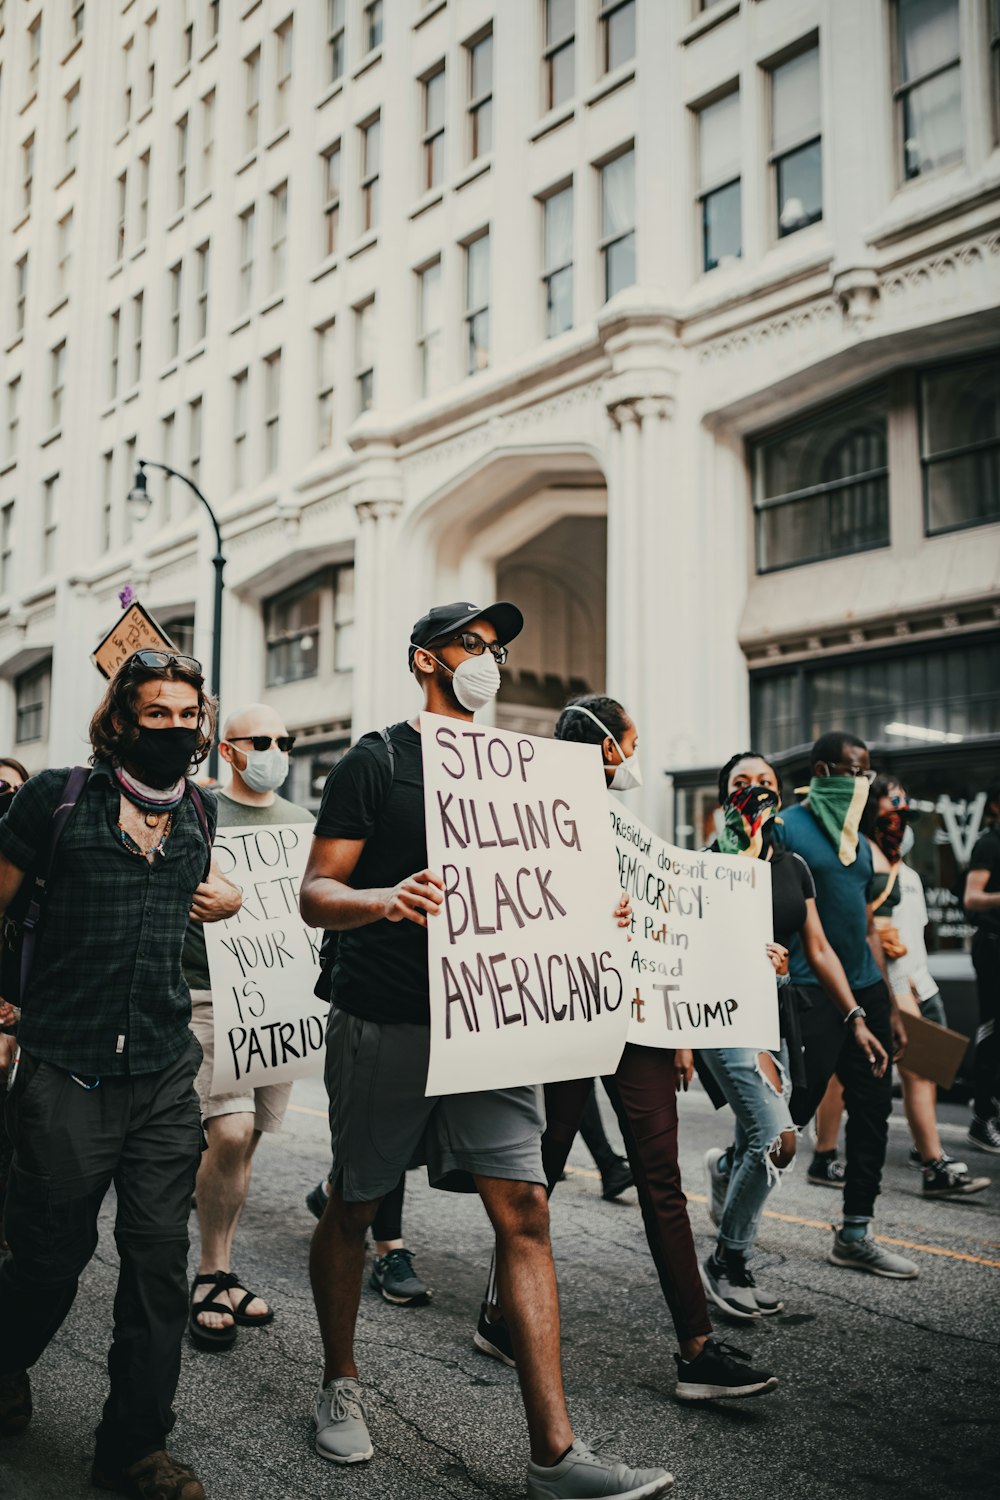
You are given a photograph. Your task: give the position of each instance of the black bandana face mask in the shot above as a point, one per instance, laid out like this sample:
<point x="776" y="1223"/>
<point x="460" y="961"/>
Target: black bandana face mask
<point x="160" y="757"/>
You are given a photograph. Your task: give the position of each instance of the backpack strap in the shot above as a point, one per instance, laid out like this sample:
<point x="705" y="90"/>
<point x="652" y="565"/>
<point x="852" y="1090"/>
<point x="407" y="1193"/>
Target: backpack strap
<point x="198" y="803"/>
<point x="71" y="793"/>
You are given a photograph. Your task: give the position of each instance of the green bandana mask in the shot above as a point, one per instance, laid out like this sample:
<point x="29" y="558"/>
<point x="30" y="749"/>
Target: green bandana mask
<point x="837" y="803"/>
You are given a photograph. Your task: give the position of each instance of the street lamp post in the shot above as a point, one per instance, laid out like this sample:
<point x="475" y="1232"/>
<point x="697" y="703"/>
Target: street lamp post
<point x="140" y="502"/>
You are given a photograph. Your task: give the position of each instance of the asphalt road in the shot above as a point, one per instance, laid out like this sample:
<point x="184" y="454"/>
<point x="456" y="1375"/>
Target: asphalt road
<point x="887" y="1389"/>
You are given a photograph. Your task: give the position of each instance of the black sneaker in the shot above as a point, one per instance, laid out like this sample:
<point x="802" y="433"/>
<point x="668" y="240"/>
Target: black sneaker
<point x="617" y="1179"/>
<point x="826" y="1171"/>
<point x="317" y="1199"/>
<point x="725" y="1281"/>
<point x="985" y="1135"/>
<point x="720" y="1373"/>
<point x="393" y="1275"/>
<point x="494" y="1339"/>
<point x="951" y="1179"/>
<point x="916" y="1161"/>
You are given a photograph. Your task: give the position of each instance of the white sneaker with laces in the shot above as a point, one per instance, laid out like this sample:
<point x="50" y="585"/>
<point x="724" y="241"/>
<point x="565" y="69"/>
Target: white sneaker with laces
<point x="586" y="1475"/>
<point x="341" y="1423"/>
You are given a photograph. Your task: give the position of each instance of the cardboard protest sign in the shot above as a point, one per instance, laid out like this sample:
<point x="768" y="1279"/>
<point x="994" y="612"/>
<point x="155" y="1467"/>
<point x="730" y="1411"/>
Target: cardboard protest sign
<point x="135" y="630"/>
<point x="698" y="974"/>
<point x="269" y="1026"/>
<point x="526" y="962"/>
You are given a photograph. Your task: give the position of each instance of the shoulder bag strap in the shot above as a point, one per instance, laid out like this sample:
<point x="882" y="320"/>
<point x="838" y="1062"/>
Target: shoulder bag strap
<point x="198" y="803"/>
<point x="71" y="793"/>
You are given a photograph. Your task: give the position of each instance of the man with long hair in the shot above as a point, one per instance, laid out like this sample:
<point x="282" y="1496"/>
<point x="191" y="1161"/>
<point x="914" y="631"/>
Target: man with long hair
<point x="101" y="1083"/>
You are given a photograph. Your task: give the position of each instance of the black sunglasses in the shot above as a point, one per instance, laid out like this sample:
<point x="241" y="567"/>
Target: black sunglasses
<point x="263" y="741"/>
<point x="9" y="786"/>
<point x="159" y="660"/>
<point x="475" y="645"/>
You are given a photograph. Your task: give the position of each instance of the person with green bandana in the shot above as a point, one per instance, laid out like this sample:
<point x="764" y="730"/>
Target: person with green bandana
<point x="824" y="830"/>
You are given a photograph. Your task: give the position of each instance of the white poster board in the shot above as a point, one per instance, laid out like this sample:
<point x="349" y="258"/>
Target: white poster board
<point x="263" y="963"/>
<point x="698" y="974"/>
<point x="526" y="962"/>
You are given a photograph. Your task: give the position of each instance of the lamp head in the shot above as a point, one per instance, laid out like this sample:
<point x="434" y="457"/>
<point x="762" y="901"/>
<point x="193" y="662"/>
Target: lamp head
<point x="140" y="502"/>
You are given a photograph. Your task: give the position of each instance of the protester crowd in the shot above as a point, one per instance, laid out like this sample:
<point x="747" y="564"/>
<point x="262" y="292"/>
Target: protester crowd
<point x="107" y="879"/>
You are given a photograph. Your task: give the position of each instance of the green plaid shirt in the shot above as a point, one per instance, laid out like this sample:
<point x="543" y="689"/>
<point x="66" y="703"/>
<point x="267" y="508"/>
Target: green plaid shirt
<point x="106" y="994"/>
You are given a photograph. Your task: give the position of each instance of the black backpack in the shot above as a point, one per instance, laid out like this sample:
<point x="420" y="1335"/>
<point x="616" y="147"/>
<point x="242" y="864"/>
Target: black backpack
<point x="323" y="988"/>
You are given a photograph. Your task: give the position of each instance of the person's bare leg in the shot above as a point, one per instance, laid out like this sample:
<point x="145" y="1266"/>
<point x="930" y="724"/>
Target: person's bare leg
<point x="829" y="1115"/>
<point x="519" y="1213"/>
<point x="920" y="1104"/>
<point x="222" y="1186"/>
<point x="336" y="1266"/>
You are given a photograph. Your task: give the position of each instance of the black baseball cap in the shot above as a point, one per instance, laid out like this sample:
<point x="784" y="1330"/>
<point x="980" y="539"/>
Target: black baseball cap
<point x="448" y="619"/>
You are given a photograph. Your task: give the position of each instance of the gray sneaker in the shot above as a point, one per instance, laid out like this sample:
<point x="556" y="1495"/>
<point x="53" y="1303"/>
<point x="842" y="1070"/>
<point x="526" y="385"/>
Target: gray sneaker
<point x="718" y="1183"/>
<point x="341" y="1423"/>
<point x="727" y="1284"/>
<point x="869" y="1255"/>
<point x="586" y="1475"/>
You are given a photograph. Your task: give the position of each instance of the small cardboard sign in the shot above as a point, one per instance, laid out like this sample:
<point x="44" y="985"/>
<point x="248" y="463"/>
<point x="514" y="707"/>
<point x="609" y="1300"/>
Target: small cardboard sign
<point x="932" y="1051"/>
<point x="134" y="630"/>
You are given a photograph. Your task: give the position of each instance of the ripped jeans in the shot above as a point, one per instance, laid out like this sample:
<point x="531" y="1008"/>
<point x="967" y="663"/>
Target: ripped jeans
<point x="762" y="1115"/>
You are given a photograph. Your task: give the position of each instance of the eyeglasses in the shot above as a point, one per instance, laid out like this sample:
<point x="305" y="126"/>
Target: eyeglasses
<point x="284" y="742"/>
<point x="9" y="786"/>
<point x="475" y="646"/>
<point x="159" y="660"/>
<point x="843" y="769"/>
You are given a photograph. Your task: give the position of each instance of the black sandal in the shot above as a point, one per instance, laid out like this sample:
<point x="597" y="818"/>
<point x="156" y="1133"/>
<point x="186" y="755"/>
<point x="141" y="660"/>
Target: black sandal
<point x="212" y="1338"/>
<point x="243" y="1318"/>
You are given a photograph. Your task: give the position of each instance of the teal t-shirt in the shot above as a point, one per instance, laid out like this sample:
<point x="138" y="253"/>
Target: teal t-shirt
<point x="233" y="814"/>
<point x="842" y="896"/>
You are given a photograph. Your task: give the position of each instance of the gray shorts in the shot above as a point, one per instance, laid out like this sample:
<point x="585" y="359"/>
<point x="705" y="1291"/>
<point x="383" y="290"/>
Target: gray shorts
<point x="381" y="1123"/>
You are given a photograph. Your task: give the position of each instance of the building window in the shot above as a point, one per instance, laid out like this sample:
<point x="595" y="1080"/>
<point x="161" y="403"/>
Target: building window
<point x="50" y="522"/>
<point x="181" y="137"/>
<point x="57" y="384"/>
<point x="282" y="73"/>
<point x="617" y="18"/>
<point x="618" y="223"/>
<point x="557" y="261"/>
<point x="150" y="57"/>
<point x="76" y="10"/>
<point x="187" y="34"/>
<point x="129" y="470"/>
<point x="72" y="128"/>
<point x="251" y="95"/>
<point x="796" y="146"/>
<point x="194" y="441"/>
<point x="247" y="225"/>
<point x="174" y="327"/>
<point x="13" y="416"/>
<point x="373" y="25"/>
<point x="480" y="97"/>
<point x="433" y="141"/>
<point x="960" y="445"/>
<point x="331" y="198"/>
<point x="343" y="619"/>
<point x="34" y="53"/>
<point x="477" y="304"/>
<point x="430" y="339"/>
<point x="128" y="52"/>
<point x="143" y="197"/>
<point x="364" y="354"/>
<point x="213" y="20"/>
<point x="279" y="234"/>
<point x="114" y="346"/>
<point x="272" y="411"/>
<point x="928" y="88"/>
<point x="107" y="497"/>
<point x="7" y="548"/>
<point x="64" y="254"/>
<point x="167" y="425"/>
<point x="20" y="293"/>
<point x="292" y="630"/>
<point x="203" y="265"/>
<point x="719" y="181"/>
<point x="325" y="384"/>
<point x="32" y="692"/>
<point x="371" y="147"/>
<point x="137" y="311"/>
<point x="241" y="384"/>
<point x="207" y="139"/>
<point x="27" y="171"/>
<point x="121" y="207"/>
<point x="559" y="52"/>
<point x="822" y="486"/>
<point x="335" y="50"/>
<point x="995" y="64"/>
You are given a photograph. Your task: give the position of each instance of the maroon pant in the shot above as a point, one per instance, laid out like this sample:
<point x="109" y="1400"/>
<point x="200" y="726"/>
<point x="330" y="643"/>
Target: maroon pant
<point x="645" y="1101"/>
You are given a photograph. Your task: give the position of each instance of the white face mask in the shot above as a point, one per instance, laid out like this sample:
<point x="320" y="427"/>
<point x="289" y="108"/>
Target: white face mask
<point x="628" y="774"/>
<point x="907" y="842"/>
<point x="265" y="770"/>
<point x="476" y="680"/>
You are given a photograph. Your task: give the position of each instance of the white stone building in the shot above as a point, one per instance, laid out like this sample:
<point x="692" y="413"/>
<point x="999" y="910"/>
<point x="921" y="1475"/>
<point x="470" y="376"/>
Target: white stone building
<point x="674" y="320"/>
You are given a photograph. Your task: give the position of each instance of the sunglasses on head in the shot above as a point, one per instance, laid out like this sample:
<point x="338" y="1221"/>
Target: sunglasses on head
<point x="284" y="742"/>
<point x="160" y="660"/>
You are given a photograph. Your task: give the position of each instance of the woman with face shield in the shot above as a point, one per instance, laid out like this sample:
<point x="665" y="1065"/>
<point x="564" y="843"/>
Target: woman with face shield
<point x="643" y="1091"/>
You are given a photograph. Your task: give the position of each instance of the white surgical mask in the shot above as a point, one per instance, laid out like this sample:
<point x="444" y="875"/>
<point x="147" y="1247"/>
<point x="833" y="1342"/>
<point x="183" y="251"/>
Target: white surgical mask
<point x="265" y="770"/>
<point x="628" y="773"/>
<point x="907" y="841"/>
<point x="476" y="680"/>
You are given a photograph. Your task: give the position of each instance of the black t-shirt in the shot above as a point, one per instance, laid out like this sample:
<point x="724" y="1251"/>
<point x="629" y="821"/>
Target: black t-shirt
<point x="791" y="887"/>
<point x="380" y="972"/>
<point x="986" y="856"/>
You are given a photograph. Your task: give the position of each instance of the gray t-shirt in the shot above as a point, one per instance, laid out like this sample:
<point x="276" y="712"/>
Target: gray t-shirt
<point x="233" y="814"/>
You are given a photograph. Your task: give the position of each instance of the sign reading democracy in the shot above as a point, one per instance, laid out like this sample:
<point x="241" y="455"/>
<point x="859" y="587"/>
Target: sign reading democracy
<point x="698" y="973"/>
<point x="527" y="965"/>
<point x="263" y="962"/>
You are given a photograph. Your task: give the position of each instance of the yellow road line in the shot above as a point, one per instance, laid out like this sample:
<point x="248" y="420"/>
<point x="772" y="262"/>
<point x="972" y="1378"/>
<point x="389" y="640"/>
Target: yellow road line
<point x="300" y="1109"/>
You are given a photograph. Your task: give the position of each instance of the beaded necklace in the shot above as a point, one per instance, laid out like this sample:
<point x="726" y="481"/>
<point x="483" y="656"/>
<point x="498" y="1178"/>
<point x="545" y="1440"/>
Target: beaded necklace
<point x="131" y="847"/>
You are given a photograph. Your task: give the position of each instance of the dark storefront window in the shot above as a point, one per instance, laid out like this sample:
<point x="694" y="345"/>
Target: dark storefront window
<point x="960" y="445"/>
<point x="309" y="767"/>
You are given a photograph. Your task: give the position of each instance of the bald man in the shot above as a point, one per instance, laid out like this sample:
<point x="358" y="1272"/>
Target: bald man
<point x="255" y="746"/>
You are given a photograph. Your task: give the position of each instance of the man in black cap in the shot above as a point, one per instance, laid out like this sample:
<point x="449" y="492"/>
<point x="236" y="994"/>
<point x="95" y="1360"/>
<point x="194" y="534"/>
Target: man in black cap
<point x="367" y="880"/>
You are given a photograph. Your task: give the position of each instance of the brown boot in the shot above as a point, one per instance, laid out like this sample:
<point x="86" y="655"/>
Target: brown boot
<point x="15" y="1403"/>
<point x="155" y="1477"/>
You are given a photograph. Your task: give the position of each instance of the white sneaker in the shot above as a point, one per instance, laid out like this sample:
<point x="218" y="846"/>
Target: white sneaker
<point x="341" y="1423"/>
<point x="586" y="1475"/>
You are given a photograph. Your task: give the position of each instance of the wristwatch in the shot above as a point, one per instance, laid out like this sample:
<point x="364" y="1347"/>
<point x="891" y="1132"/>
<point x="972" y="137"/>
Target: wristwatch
<point x="858" y="1010"/>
